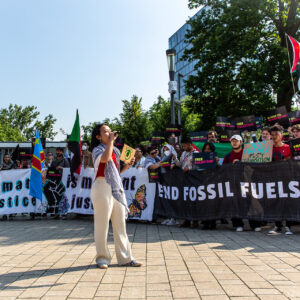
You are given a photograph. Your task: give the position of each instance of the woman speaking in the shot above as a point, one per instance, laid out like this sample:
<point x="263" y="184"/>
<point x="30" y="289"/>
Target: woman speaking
<point x="109" y="200"/>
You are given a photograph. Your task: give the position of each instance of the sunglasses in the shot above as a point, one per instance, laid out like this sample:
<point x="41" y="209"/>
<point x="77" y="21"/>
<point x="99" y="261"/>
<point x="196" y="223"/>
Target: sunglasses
<point x="152" y="153"/>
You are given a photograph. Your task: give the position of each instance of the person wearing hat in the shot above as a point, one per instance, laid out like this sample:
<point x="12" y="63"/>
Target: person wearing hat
<point x="232" y="157"/>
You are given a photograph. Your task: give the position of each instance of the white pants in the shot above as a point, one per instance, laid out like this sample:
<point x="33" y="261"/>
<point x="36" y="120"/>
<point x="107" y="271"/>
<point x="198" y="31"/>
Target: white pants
<point x="106" y="207"/>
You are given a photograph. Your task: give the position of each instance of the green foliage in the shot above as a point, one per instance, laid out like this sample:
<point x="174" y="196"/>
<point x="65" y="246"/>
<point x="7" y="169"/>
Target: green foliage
<point x="160" y="114"/>
<point x="134" y="122"/>
<point x="18" y="123"/>
<point x="242" y="62"/>
<point x="9" y="133"/>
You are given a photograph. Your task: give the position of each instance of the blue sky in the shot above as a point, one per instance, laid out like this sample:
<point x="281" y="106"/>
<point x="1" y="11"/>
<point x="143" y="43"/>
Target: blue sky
<point x="60" y="55"/>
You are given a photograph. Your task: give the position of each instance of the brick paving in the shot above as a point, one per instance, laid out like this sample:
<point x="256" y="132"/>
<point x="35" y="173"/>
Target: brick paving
<point x="54" y="259"/>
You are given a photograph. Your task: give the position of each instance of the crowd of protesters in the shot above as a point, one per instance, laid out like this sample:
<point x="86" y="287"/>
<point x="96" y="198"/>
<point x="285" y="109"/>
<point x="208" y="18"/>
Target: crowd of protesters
<point x="179" y="154"/>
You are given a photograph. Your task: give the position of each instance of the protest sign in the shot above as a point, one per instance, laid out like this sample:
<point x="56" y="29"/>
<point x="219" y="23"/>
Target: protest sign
<point x="222" y="124"/>
<point x="199" y="136"/>
<point x="294" y="117"/>
<point x="127" y="154"/>
<point x="227" y="134"/>
<point x="140" y="194"/>
<point x="295" y="146"/>
<point x="15" y="196"/>
<point x="278" y="115"/>
<point x="258" y="152"/>
<point x="258" y="122"/>
<point x="246" y="123"/>
<point x="77" y="195"/>
<point x="157" y="138"/>
<point x="204" y="161"/>
<point x="267" y="191"/>
<point x="173" y="129"/>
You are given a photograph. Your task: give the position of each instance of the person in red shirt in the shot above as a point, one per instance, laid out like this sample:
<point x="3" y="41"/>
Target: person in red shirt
<point x="108" y="199"/>
<point x="281" y="151"/>
<point x="237" y="152"/>
<point x="234" y="156"/>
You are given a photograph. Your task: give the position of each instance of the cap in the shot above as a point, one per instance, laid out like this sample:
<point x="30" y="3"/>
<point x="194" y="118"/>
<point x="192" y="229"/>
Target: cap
<point x="237" y="137"/>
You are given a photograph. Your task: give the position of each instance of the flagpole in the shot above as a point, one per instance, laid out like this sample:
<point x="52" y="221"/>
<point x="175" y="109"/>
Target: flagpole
<point x="287" y="47"/>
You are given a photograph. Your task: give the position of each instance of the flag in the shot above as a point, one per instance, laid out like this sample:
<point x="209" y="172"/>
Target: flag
<point x="74" y="146"/>
<point x="296" y="52"/>
<point x="38" y="160"/>
<point x="16" y="154"/>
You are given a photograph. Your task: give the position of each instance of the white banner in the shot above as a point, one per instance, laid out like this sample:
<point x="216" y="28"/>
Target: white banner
<point x="67" y="197"/>
<point x="140" y="194"/>
<point x="78" y="195"/>
<point x="14" y="196"/>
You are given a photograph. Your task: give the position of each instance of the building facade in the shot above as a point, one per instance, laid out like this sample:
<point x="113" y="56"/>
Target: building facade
<point x="185" y="68"/>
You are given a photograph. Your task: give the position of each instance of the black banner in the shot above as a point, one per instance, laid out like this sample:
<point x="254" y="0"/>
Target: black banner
<point x="266" y="191"/>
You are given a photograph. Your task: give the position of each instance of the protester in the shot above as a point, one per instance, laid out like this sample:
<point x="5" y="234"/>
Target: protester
<point x="233" y="157"/>
<point x="48" y="160"/>
<point x="139" y="157"/>
<point x="152" y="160"/>
<point x="281" y="151"/>
<point x="207" y="148"/>
<point x="296" y="131"/>
<point x="60" y="162"/>
<point x="178" y="150"/>
<point x="266" y="134"/>
<point x="212" y="136"/>
<point x="25" y="163"/>
<point x="296" y="135"/>
<point x="167" y="164"/>
<point x="108" y="199"/>
<point x="8" y="164"/>
<point x="186" y="164"/>
<point x="86" y="155"/>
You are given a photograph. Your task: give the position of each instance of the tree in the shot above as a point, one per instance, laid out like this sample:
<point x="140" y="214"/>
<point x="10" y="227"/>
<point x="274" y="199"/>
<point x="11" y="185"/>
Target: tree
<point x="25" y="121"/>
<point x="9" y="133"/>
<point x="160" y="114"/>
<point x="133" y="122"/>
<point x="242" y="63"/>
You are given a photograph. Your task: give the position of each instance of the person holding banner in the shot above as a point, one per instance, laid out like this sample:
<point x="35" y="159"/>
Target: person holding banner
<point x="233" y="157"/>
<point x="281" y="151"/>
<point x="108" y="199"/>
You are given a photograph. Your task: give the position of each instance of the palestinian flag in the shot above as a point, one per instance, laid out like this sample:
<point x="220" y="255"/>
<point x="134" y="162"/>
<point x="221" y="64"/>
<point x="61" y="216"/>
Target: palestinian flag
<point x="296" y="52"/>
<point x="74" y="146"/>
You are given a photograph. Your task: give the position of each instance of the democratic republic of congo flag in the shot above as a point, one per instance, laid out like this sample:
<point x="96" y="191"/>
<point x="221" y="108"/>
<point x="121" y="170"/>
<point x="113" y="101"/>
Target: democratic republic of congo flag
<point x="296" y="52"/>
<point x="38" y="159"/>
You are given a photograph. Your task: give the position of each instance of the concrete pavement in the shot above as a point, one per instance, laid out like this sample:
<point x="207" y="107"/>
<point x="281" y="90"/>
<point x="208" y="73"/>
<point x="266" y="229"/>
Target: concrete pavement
<point x="54" y="259"/>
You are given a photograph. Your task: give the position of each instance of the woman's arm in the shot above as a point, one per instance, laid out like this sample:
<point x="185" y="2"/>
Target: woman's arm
<point x="106" y="156"/>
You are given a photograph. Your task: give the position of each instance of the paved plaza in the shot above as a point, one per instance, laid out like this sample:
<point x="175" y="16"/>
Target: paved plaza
<point x="54" y="259"/>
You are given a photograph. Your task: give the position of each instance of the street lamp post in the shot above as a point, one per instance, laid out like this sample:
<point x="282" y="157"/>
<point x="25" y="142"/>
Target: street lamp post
<point x="171" y="57"/>
<point x="179" y="98"/>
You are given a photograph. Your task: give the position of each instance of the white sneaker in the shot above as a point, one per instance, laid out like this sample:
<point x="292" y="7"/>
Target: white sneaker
<point x="239" y="229"/>
<point x="288" y="231"/>
<point x="172" y="222"/>
<point x="102" y="266"/>
<point x="257" y="229"/>
<point x="165" y="222"/>
<point x="274" y="231"/>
